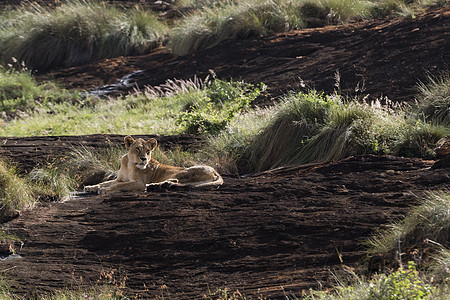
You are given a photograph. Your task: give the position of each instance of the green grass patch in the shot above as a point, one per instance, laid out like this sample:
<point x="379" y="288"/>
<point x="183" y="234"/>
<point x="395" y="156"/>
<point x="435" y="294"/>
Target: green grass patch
<point x="76" y="32"/>
<point x="173" y="109"/>
<point x="20" y="93"/>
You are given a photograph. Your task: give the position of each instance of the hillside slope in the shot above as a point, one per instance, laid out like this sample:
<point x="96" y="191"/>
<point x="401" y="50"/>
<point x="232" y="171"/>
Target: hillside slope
<point x="383" y="58"/>
<point x="271" y="234"/>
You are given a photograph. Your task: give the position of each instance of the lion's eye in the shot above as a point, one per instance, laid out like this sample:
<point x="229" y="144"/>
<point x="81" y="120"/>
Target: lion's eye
<point x="148" y="152"/>
<point x="138" y="149"/>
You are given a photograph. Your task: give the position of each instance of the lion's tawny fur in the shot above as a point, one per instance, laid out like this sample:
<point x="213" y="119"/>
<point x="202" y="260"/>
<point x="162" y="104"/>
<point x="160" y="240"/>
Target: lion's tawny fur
<point x="138" y="169"/>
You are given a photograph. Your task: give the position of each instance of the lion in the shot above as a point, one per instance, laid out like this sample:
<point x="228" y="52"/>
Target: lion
<point x="139" y="171"/>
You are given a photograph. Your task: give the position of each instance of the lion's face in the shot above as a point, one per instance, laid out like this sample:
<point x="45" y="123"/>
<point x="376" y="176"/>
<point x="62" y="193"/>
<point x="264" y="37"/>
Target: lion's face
<point x="139" y="151"/>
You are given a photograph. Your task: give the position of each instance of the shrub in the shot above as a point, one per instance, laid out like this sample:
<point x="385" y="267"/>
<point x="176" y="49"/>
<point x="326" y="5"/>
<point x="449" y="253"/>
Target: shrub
<point x="219" y="104"/>
<point x="76" y="32"/>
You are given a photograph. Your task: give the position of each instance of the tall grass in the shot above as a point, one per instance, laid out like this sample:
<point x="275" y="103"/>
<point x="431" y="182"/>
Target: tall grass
<point x="76" y="32"/>
<point x="15" y="192"/>
<point x="210" y="26"/>
<point x="87" y="166"/>
<point x="226" y="20"/>
<point x="223" y="20"/>
<point x="81" y="31"/>
<point x="316" y="128"/>
<point x="434" y="100"/>
<point x="430" y="221"/>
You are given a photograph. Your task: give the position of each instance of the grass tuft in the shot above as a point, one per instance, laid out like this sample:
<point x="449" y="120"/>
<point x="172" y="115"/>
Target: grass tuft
<point x="229" y="20"/>
<point x="76" y="32"/>
<point x="91" y="166"/>
<point x="430" y="221"/>
<point x="15" y="192"/>
<point x="433" y="101"/>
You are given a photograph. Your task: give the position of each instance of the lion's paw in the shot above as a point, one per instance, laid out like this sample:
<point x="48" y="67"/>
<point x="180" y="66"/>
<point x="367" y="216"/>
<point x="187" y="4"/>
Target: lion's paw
<point x="91" y="188"/>
<point x="103" y="191"/>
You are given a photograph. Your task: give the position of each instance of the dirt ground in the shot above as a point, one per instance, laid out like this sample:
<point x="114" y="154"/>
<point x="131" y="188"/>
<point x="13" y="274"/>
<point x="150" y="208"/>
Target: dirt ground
<point x="271" y="234"/>
<point x="275" y="233"/>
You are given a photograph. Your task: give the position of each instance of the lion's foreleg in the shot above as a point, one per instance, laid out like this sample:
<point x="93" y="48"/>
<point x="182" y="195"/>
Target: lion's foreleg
<point x="96" y="187"/>
<point x="125" y="186"/>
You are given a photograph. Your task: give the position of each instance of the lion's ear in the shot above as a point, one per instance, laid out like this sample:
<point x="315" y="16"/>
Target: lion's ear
<point x="128" y="141"/>
<point x="152" y="143"/>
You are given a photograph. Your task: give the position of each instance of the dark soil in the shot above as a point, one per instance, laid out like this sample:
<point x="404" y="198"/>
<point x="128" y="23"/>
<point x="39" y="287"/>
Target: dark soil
<point x="271" y="234"/>
<point x="277" y="232"/>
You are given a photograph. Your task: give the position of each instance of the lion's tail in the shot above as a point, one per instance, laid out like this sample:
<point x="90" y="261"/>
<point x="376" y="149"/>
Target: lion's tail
<point x="218" y="181"/>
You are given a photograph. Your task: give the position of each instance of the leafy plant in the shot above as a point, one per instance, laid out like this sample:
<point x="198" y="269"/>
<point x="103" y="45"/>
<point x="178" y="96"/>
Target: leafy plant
<point x="403" y="284"/>
<point x="221" y="102"/>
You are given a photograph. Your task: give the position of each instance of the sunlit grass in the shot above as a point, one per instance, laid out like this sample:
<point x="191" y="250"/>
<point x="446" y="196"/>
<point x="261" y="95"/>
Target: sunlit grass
<point x="434" y="100"/>
<point x="75" y="32"/>
<point x="314" y="127"/>
<point x="16" y="194"/>
<point x="191" y="110"/>
<point x="428" y="221"/>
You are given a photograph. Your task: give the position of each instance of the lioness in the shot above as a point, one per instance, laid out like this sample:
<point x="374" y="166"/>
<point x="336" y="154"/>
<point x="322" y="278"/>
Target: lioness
<point x="138" y="170"/>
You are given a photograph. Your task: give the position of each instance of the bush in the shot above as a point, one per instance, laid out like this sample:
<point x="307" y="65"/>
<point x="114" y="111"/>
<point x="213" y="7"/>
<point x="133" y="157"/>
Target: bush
<point x="220" y="103"/>
<point x="403" y="284"/>
<point x="76" y="32"/>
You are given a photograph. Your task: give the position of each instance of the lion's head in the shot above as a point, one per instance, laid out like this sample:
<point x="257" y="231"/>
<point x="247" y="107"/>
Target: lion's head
<point x="139" y="151"/>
